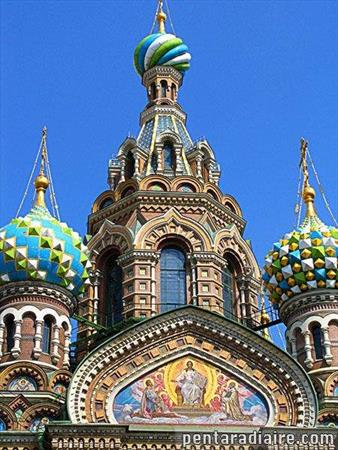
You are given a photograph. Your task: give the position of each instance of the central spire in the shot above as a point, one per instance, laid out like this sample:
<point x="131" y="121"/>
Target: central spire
<point x="308" y="192"/>
<point x="161" y="17"/>
<point x="41" y="182"/>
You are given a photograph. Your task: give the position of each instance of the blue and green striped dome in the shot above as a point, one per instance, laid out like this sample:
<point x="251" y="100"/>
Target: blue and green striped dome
<point x="161" y="49"/>
<point x="39" y="247"/>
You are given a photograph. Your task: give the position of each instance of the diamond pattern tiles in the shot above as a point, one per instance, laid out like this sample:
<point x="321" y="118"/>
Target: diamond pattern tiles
<point x="144" y="139"/>
<point x="39" y="247"/>
<point x="303" y="260"/>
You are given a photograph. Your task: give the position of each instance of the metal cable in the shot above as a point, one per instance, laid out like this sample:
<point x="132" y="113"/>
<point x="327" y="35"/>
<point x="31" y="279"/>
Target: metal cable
<point x="171" y="22"/>
<point x="321" y="189"/>
<point x="298" y="207"/>
<point x="155" y="17"/>
<point x="52" y="191"/>
<point x="29" y="180"/>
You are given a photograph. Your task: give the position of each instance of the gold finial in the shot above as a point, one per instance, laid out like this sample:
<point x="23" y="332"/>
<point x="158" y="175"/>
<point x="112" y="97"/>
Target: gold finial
<point x="308" y="192"/>
<point x="41" y="182"/>
<point x="161" y="17"/>
<point x="265" y="319"/>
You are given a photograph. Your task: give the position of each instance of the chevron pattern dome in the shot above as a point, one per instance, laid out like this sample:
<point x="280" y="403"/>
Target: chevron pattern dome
<point x="302" y="260"/>
<point x="39" y="247"/>
<point x="161" y="49"/>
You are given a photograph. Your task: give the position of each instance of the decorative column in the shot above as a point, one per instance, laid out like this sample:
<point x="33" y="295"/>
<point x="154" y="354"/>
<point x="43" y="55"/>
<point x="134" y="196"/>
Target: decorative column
<point x="2" y="332"/>
<point x="307" y="347"/>
<point x="199" y="166"/>
<point x="292" y="341"/>
<point x="210" y="168"/>
<point x="179" y="163"/>
<point x="154" y="260"/>
<point x="17" y="339"/>
<point x="327" y="346"/>
<point x="158" y="152"/>
<point x="37" y="339"/>
<point x="55" y="344"/>
<point x="123" y="166"/>
<point x="66" y="359"/>
<point x="242" y="286"/>
<point x="137" y="166"/>
<point x="193" y="279"/>
<point x="97" y="275"/>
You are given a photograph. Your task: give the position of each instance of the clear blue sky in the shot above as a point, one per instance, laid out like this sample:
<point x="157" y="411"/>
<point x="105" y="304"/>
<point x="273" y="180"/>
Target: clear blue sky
<point x="263" y="74"/>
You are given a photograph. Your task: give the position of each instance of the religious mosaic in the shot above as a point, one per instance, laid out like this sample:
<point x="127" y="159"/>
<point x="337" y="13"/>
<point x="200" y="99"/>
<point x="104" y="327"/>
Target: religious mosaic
<point x="22" y="383"/>
<point x="190" y="391"/>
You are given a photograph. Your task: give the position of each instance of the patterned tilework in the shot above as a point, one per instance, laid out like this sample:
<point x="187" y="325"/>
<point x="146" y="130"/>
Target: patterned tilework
<point x="164" y="122"/>
<point x="39" y="247"/>
<point x="144" y="140"/>
<point x="185" y="138"/>
<point x="302" y="260"/>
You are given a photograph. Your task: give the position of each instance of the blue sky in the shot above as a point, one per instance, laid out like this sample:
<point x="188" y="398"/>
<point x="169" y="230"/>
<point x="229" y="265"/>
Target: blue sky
<point x="263" y="74"/>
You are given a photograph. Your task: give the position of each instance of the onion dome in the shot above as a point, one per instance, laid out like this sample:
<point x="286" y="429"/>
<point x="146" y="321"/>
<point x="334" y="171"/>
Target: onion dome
<point x="39" y="247"/>
<point x="304" y="259"/>
<point x="161" y="49"/>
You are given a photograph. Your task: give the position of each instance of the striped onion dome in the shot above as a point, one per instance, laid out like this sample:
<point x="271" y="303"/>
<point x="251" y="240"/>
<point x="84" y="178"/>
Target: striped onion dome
<point x="304" y="259"/>
<point x="161" y="49"/>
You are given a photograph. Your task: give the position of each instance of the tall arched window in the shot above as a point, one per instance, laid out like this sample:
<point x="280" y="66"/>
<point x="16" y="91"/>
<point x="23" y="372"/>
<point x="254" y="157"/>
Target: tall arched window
<point x="228" y="292"/>
<point x="154" y="162"/>
<point x="10" y="332"/>
<point x="46" y="335"/>
<point x="168" y="155"/>
<point x="153" y="91"/>
<point x="173" y="278"/>
<point x="129" y="166"/>
<point x="164" y="86"/>
<point x="317" y="341"/>
<point x="113" y="291"/>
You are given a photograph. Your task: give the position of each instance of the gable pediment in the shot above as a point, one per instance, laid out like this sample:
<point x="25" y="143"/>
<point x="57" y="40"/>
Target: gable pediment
<point x="210" y="340"/>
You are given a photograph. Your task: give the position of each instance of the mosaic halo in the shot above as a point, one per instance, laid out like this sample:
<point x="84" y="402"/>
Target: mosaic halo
<point x="39" y="247"/>
<point x="303" y="260"/>
<point x="161" y="49"/>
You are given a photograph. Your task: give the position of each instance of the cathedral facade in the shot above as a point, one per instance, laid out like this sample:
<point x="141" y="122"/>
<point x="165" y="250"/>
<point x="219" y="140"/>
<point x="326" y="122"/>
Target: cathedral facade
<point x="173" y="338"/>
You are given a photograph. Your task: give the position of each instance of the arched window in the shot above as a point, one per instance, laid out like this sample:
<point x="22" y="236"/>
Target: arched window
<point x="317" y="341"/>
<point x="46" y="335"/>
<point x="168" y="155"/>
<point x="164" y="86"/>
<point x="173" y="278"/>
<point x="129" y="166"/>
<point x="173" y="92"/>
<point x="2" y="425"/>
<point x="106" y="202"/>
<point x="153" y="91"/>
<point x="113" y="291"/>
<point x="10" y="332"/>
<point x="228" y="292"/>
<point x="154" y="162"/>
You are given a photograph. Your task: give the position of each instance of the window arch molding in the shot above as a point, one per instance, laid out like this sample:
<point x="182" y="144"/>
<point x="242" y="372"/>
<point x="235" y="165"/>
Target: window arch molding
<point x="148" y="181"/>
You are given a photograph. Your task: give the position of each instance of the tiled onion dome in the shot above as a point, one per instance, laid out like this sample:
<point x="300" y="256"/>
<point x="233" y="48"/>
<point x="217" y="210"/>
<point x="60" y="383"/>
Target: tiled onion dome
<point x="161" y="49"/>
<point x="304" y="259"/>
<point x="39" y="247"/>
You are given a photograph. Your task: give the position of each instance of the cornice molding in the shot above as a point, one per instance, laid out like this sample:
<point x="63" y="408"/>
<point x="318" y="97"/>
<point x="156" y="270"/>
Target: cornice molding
<point x="42" y="289"/>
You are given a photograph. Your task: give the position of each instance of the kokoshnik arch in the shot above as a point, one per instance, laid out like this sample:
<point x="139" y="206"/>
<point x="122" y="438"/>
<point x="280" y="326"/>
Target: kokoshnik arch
<point x="166" y="293"/>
